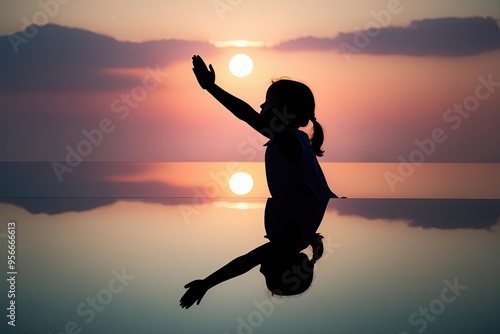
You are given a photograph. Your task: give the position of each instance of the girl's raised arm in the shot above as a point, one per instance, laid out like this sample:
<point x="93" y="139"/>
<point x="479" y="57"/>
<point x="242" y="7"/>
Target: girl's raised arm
<point x="241" y="109"/>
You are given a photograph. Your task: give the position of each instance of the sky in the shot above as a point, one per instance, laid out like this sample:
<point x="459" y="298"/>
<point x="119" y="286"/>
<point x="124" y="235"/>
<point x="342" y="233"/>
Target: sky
<point x="270" y="21"/>
<point x="414" y="84"/>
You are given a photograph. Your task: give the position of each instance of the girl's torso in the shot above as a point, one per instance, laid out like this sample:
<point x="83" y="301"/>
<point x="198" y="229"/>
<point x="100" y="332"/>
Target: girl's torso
<point x="302" y="178"/>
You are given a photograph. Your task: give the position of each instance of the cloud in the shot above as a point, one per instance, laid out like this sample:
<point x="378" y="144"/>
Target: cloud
<point x="54" y="58"/>
<point x="308" y="43"/>
<point x="426" y="213"/>
<point x="60" y="58"/>
<point x="449" y="37"/>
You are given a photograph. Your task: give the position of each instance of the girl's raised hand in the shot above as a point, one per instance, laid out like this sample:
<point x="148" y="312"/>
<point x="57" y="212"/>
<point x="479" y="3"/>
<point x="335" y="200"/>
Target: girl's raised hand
<point x="205" y="77"/>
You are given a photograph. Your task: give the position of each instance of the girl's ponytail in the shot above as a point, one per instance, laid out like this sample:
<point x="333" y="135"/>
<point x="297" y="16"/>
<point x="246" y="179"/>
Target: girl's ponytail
<point x="297" y="95"/>
<point x="317" y="138"/>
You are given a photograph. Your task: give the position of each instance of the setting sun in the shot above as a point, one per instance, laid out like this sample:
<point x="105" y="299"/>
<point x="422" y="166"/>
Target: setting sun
<point x="241" y="183"/>
<point x="241" y="65"/>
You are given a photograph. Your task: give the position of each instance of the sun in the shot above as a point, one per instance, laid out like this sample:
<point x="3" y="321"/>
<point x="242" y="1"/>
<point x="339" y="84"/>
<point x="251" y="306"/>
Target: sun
<point x="241" y="183"/>
<point x="241" y="65"/>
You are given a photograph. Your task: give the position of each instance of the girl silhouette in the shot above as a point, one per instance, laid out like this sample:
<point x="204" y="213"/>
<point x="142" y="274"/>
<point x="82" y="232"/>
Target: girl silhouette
<point x="295" y="180"/>
<point x="292" y="169"/>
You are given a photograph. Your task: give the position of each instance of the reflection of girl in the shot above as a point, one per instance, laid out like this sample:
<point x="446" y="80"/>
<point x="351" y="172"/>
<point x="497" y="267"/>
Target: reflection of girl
<point x="291" y="225"/>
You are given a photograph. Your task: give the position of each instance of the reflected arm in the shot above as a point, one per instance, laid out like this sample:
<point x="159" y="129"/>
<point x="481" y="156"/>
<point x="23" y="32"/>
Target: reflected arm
<point x="238" y="266"/>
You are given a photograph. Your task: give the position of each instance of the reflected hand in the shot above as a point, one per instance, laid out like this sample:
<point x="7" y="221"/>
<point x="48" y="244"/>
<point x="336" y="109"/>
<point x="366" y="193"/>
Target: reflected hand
<point x="196" y="291"/>
<point x="205" y="77"/>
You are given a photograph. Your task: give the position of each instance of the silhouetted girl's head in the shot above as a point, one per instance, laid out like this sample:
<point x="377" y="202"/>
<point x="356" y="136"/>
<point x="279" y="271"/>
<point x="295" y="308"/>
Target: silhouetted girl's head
<point x="298" y="100"/>
<point x="293" y="275"/>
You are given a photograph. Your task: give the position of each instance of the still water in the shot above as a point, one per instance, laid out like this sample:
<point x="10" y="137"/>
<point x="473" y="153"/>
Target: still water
<point x="119" y="265"/>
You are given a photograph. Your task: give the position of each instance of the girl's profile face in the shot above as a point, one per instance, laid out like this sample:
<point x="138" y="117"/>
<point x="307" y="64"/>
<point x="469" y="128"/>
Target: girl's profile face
<point x="269" y="104"/>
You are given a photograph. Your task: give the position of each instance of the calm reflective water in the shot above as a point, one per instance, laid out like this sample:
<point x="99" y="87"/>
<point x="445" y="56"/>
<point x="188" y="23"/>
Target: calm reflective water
<point x="111" y="265"/>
